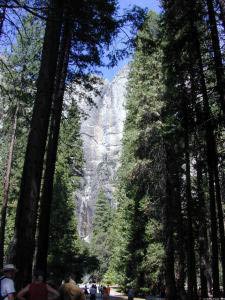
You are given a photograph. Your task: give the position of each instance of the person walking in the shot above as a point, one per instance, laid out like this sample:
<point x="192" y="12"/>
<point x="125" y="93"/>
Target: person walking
<point x="130" y="294"/>
<point x="108" y="289"/>
<point x="105" y="295"/>
<point x="70" y="291"/>
<point x="100" y="289"/>
<point x="7" y="283"/>
<point x="93" y="292"/>
<point x="85" y="291"/>
<point x="38" y="289"/>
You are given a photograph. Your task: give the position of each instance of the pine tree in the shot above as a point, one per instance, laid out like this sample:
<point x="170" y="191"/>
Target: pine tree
<point x="140" y="184"/>
<point x="17" y="94"/>
<point x="65" y="248"/>
<point x="100" y="244"/>
<point x="6" y="187"/>
<point x="184" y="23"/>
<point x="34" y="159"/>
<point x="46" y="197"/>
<point x="26" y="215"/>
<point x="219" y="70"/>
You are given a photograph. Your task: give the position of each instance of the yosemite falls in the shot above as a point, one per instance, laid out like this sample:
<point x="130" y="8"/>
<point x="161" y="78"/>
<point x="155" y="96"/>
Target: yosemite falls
<point x="101" y="133"/>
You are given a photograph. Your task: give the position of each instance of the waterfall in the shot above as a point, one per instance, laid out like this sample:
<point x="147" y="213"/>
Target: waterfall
<point x="101" y="133"/>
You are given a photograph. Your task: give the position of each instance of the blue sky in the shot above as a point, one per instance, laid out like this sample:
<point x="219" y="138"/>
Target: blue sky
<point x="150" y="4"/>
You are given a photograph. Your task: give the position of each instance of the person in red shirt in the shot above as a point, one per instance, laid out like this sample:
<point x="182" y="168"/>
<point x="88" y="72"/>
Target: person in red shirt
<point x="105" y="295"/>
<point x="38" y="289"/>
<point x="108" y="289"/>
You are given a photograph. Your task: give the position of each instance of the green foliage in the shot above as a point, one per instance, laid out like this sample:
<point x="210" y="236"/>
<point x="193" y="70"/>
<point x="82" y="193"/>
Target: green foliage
<point x="65" y="247"/>
<point x="121" y="231"/>
<point x="19" y="68"/>
<point x="102" y="232"/>
<point x="138" y="251"/>
<point x="67" y="252"/>
<point x="152" y="264"/>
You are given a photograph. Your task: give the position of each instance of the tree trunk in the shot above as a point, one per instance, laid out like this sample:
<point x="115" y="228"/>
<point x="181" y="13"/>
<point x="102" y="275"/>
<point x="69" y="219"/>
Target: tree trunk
<point x="6" y="186"/>
<point x="220" y="214"/>
<point x="2" y="14"/>
<point x="215" y="266"/>
<point x="47" y="191"/>
<point x="203" y="237"/>
<point x="210" y="157"/>
<point x="181" y="249"/>
<point x="217" y="56"/>
<point x="26" y="214"/>
<point x="169" y="229"/>
<point x="191" y="262"/>
<point x="195" y="51"/>
<point x="222" y="176"/>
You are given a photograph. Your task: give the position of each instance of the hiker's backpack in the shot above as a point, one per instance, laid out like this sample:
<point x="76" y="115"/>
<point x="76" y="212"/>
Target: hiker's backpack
<point x="2" y="297"/>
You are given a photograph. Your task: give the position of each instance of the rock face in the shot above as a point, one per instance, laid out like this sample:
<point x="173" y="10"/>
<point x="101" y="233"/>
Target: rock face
<point x="101" y="133"/>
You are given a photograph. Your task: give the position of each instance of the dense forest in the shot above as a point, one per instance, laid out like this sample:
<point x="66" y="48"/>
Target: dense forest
<point x="167" y="227"/>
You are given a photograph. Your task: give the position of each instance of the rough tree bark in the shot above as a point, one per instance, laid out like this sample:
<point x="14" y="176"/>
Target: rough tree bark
<point x="213" y="216"/>
<point x="219" y="213"/>
<point x="203" y="237"/>
<point x="219" y="68"/>
<point x="191" y="261"/>
<point x="47" y="191"/>
<point x="195" y="52"/>
<point x="6" y="186"/>
<point x="221" y="90"/>
<point x="181" y="249"/>
<point x="22" y="250"/>
<point x="168" y="225"/>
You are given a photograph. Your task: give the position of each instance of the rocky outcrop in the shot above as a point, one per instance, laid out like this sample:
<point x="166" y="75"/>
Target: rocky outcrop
<point x="101" y="133"/>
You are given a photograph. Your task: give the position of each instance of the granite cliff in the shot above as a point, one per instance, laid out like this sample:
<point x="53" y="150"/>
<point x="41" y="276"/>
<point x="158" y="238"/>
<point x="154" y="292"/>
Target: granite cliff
<point x="101" y="132"/>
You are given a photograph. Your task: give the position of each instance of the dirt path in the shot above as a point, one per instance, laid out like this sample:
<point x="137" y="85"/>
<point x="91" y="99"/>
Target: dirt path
<point x="116" y="295"/>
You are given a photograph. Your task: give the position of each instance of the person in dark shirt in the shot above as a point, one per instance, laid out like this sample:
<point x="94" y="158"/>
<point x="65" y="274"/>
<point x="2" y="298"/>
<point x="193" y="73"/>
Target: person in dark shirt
<point x="130" y="294"/>
<point x="93" y="292"/>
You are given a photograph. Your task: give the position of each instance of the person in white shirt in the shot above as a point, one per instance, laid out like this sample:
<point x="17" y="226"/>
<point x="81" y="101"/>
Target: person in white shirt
<point x="7" y="283"/>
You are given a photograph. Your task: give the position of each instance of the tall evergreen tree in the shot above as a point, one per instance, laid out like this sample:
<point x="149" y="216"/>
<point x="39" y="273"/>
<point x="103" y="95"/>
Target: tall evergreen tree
<point x="183" y="30"/>
<point x="6" y="186"/>
<point x="17" y="94"/>
<point x="219" y="69"/>
<point x="54" y="23"/>
<point x="211" y="147"/>
<point x="74" y="26"/>
<point x="139" y="191"/>
<point x="66" y="249"/>
<point x="46" y="197"/>
<point x="100" y="242"/>
<point x="26" y="215"/>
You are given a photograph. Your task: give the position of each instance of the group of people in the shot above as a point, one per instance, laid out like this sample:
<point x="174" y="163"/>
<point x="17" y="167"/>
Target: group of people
<point x="103" y="290"/>
<point x="38" y="289"/>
